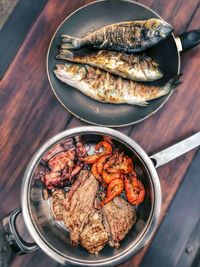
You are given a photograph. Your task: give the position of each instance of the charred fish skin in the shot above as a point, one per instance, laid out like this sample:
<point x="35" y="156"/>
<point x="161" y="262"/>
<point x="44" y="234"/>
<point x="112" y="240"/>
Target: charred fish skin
<point x="130" y="36"/>
<point x="108" y="88"/>
<point x="136" y="67"/>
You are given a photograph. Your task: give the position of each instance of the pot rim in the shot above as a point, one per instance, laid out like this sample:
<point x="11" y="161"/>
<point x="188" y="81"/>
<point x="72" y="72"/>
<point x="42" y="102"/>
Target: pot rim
<point x="153" y="218"/>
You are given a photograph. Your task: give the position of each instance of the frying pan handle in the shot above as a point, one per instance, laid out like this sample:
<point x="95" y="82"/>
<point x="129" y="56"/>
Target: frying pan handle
<point x="18" y="245"/>
<point x="176" y="150"/>
<point x="188" y="40"/>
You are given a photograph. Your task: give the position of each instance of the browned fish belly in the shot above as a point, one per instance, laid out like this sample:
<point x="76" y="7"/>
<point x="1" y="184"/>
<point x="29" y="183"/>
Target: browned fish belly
<point x="136" y="67"/>
<point x="108" y="88"/>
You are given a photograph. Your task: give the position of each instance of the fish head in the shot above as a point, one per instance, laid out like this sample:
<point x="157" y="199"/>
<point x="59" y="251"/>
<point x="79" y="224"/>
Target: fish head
<point x="155" y="30"/>
<point x="70" y="73"/>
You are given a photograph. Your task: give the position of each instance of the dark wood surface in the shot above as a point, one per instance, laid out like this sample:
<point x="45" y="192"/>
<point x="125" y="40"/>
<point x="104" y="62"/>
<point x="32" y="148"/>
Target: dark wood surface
<point x="177" y="242"/>
<point x="30" y="113"/>
<point x="20" y="21"/>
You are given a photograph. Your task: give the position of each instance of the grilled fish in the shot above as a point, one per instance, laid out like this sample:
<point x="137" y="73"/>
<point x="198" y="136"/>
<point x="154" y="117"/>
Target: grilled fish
<point x="128" y="36"/>
<point x="131" y="66"/>
<point x="108" y="88"/>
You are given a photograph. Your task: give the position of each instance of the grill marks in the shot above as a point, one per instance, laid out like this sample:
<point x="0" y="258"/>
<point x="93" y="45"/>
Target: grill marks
<point x="94" y="236"/>
<point x="88" y="225"/>
<point x="79" y="207"/>
<point x="132" y="36"/>
<point x="137" y="67"/>
<point x="114" y="89"/>
<point x="115" y="35"/>
<point x="108" y="88"/>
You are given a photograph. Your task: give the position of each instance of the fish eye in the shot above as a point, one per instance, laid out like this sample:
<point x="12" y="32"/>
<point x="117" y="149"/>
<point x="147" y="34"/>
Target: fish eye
<point x="157" y="33"/>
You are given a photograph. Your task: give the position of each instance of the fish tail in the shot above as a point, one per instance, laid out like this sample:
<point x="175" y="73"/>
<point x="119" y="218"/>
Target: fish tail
<point x="169" y="86"/>
<point x="70" y="42"/>
<point x="173" y="83"/>
<point x="65" y="54"/>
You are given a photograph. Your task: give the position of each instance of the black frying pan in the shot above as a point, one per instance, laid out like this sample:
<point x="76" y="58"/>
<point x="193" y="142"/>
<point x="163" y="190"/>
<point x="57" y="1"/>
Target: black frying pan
<point x="91" y="17"/>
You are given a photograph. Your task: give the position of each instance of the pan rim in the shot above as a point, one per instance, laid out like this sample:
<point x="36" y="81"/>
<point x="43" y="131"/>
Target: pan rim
<point x="89" y="121"/>
<point x="153" y="217"/>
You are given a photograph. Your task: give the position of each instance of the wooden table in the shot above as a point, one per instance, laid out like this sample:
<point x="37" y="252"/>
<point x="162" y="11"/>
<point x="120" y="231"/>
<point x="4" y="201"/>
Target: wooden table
<point x="30" y="114"/>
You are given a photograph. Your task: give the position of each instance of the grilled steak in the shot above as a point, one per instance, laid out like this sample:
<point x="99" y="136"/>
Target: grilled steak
<point x="87" y="225"/>
<point x="119" y="218"/>
<point x="79" y="204"/>
<point x="94" y="236"/>
<point x="58" y="204"/>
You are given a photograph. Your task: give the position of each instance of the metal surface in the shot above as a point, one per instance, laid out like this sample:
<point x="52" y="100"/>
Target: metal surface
<point x="54" y="240"/>
<point x="179" y="44"/>
<point x="50" y="237"/>
<point x="178" y="236"/>
<point x="176" y="150"/>
<point x="17" y="244"/>
<point x="90" y="17"/>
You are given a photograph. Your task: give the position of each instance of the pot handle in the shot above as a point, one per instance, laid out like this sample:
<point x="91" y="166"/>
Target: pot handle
<point x="188" y="40"/>
<point x="17" y="244"/>
<point x="176" y="150"/>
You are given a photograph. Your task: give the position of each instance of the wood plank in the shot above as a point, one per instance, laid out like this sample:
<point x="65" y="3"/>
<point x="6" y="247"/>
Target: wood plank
<point x="180" y="226"/>
<point x="75" y="122"/>
<point x="177" y="13"/>
<point x="37" y="258"/>
<point x="30" y="114"/>
<point x="178" y="119"/>
<point x="25" y="11"/>
<point x="171" y="115"/>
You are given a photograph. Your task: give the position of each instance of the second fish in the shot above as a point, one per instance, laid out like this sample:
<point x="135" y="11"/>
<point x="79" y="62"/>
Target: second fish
<point x="138" y="67"/>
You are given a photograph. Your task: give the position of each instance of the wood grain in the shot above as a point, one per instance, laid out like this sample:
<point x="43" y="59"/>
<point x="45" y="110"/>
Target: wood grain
<point x="25" y="11"/>
<point x="179" y="118"/>
<point x="179" y="231"/>
<point x="30" y="113"/>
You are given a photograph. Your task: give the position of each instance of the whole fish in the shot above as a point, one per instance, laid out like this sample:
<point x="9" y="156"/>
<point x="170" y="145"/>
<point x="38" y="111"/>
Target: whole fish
<point x="136" y="67"/>
<point x="129" y="36"/>
<point x="108" y="88"/>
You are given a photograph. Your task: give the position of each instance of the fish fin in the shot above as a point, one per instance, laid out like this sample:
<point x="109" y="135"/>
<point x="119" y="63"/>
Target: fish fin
<point x="59" y="56"/>
<point x="65" y="54"/>
<point x="160" y="74"/>
<point x="69" y="46"/>
<point x="55" y="71"/>
<point x="70" y="42"/>
<point x="142" y="104"/>
<point x="57" y="68"/>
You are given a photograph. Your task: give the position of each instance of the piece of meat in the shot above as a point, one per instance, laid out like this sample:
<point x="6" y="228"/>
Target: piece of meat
<point x="52" y="179"/>
<point x="79" y="204"/>
<point x="119" y="218"/>
<point x="52" y="152"/>
<point x="94" y="237"/>
<point x="58" y="204"/>
<point x="78" y="182"/>
<point x="87" y="224"/>
<point x="40" y="171"/>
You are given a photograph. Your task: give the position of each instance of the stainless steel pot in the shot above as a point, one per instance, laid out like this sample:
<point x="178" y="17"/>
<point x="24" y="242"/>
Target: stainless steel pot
<point x="52" y="237"/>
